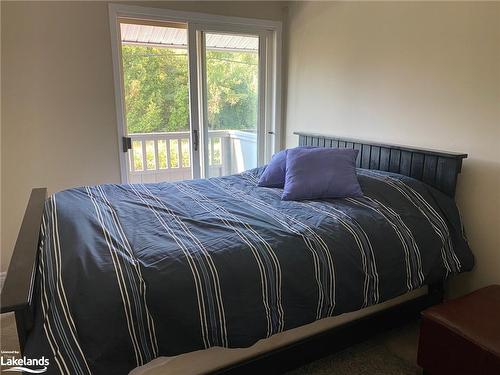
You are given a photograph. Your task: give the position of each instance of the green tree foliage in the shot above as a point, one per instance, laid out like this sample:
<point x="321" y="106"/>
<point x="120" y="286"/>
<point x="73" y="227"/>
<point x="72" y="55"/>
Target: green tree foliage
<point x="157" y="89"/>
<point x="232" y="90"/>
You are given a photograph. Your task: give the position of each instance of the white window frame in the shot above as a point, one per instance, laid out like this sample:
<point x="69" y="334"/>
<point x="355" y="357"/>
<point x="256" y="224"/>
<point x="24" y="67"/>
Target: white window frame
<point x="271" y="100"/>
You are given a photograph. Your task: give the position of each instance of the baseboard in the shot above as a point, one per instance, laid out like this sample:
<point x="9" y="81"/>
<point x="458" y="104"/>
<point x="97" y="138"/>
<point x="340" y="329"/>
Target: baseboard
<point x="2" y="279"/>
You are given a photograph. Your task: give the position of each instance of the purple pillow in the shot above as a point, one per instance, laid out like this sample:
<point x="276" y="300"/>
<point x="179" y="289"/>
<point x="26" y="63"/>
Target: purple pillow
<point x="274" y="174"/>
<point x="321" y="173"/>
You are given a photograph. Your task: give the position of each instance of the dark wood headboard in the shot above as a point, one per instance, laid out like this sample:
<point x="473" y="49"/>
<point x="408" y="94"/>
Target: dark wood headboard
<point x="439" y="169"/>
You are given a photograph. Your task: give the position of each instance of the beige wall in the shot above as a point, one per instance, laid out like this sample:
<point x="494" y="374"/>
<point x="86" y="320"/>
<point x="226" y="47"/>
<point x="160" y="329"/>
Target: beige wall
<point x="58" y="111"/>
<point x="422" y="74"/>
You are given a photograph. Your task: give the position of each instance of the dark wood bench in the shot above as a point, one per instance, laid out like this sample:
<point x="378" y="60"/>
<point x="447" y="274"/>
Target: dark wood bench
<point x="462" y="336"/>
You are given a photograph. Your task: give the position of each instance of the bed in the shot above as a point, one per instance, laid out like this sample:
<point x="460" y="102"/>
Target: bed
<point x="106" y="278"/>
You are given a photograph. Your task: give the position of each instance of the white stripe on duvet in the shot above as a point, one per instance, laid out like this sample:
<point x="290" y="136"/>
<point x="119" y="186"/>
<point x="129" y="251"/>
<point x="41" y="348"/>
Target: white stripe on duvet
<point x="370" y="270"/>
<point x="367" y="255"/>
<point x="57" y="319"/>
<point x="120" y="280"/>
<point x="434" y="218"/>
<point x="281" y="218"/>
<point x="44" y="302"/>
<point x="200" y="199"/>
<point x="414" y="272"/>
<point x="202" y="309"/>
<point x="214" y="273"/>
<point x="142" y="285"/>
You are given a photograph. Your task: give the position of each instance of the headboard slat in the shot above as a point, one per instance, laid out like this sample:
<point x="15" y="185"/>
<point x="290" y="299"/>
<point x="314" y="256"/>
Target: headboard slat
<point x="430" y="167"/>
<point x="439" y="169"/>
<point x="374" y="154"/>
<point x="385" y="156"/>
<point x="365" y="156"/>
<point x="417" y="166"/>
<point x="395" y="161"/>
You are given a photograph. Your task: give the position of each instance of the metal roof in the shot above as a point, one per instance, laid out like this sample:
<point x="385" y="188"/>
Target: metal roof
<point x="173" y="37"/>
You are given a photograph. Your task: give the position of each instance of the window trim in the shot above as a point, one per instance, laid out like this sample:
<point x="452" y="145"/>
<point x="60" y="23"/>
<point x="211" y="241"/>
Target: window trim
<point x="272" y="112"/>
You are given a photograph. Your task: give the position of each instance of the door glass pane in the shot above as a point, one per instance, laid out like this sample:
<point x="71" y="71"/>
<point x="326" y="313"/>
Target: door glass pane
<point x="155" y="77"/>
<point x="232" y="74"/>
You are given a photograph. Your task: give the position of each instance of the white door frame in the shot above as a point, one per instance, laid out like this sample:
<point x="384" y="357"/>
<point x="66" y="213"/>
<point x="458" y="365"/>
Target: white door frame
<point x="273" y="32"/>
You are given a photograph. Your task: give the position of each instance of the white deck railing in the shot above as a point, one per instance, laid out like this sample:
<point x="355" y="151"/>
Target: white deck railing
<point x="159" y="157"/>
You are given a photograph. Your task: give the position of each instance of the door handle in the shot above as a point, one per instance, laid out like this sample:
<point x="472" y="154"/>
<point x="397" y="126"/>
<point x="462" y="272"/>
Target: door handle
<point x="196" y="140"/>
<point x="126" y="143"/>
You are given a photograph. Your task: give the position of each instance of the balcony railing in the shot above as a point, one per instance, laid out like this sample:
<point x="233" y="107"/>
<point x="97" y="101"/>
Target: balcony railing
<point x="159" y="157"/>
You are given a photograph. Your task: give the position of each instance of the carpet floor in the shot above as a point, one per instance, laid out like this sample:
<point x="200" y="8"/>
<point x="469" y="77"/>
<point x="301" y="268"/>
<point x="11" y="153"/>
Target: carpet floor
<point x="393" y="353"/>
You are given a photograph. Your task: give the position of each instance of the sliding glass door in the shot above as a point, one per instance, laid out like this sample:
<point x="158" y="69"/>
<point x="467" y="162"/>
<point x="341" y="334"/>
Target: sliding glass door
<point x="231" y="114"/>
<point x="196" y="98"/>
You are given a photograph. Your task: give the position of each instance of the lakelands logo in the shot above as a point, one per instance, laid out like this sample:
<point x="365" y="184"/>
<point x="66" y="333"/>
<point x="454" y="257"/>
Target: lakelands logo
<point x="24" y="364"/>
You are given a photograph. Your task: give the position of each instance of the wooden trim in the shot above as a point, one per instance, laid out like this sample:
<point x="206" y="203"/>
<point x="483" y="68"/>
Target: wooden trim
<point x="439" y="169"/>
<point x="18" y="287"/>
<point x="338" y="338"/>
<point x="19" y="283"/>
<point x="164" y="14"/>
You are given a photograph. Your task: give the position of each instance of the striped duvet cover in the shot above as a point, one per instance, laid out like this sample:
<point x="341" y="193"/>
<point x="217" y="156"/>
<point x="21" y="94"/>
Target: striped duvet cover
<point x="131" y="272"/>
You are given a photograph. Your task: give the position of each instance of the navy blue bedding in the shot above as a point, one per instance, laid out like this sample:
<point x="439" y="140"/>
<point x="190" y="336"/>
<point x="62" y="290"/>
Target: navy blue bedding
<point x="131" y="272"/>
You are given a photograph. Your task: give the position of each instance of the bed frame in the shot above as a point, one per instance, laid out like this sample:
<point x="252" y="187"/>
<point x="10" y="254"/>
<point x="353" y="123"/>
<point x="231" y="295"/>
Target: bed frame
<point x="439" y="169"/>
